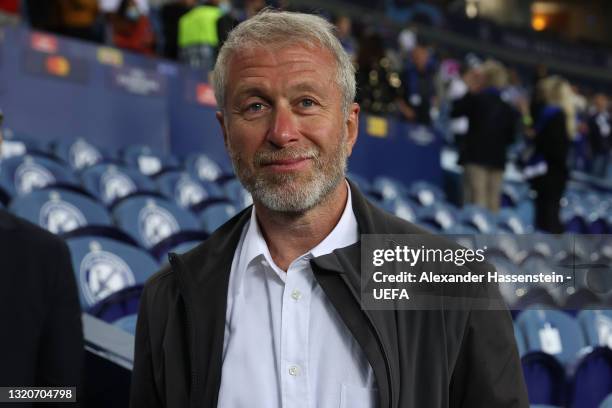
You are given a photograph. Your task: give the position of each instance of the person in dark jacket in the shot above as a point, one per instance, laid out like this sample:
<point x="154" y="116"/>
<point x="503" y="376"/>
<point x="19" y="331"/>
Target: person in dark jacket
<point x="600" y="135"/>
<point x="170" y="14"/>
<point x="492" y="128"/>
<point x="554" y="127"/>
<point x="267" y="311"/>
<point x="41" y="344"/>
<point x="418" y="90"/>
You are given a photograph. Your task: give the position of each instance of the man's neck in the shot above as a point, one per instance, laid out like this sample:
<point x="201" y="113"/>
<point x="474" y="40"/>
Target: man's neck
<point x="290" y="235"/>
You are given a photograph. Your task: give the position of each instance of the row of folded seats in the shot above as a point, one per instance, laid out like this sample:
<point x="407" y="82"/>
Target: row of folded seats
<point x="567" y="361"/>
<point x="122" y="213"/>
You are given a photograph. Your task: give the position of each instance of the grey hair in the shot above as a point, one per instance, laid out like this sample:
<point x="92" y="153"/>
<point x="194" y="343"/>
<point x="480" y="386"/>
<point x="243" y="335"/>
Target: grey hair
<point x="272" y="28"/>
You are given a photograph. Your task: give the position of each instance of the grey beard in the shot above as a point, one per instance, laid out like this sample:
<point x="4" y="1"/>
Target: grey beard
<point x="288" y="193"/>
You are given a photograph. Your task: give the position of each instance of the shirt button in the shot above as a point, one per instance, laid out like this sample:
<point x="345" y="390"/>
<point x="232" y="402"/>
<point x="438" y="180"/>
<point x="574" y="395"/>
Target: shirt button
<point x="294" y="371"/>
<point x="296" y="294"/>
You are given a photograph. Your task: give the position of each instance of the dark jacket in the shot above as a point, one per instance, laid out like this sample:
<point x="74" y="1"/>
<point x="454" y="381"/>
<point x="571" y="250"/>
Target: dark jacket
<point x="553" y="143"/>
<point x="424" y="358"/>
<point x="492" y="128"/>
<point x="41" y="340"/>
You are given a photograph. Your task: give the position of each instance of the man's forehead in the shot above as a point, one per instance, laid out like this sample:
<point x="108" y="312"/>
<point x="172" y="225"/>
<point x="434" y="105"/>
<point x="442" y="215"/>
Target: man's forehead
<point x="280" y="56"/>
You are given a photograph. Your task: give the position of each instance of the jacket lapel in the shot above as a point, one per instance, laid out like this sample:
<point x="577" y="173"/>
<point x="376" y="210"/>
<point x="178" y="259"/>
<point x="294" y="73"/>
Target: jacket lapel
<point x="203" y="276"/>
<point x="339" y="275"/>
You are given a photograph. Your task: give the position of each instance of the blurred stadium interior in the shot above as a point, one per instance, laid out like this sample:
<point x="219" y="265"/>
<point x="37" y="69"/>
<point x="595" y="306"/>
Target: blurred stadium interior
<point x="120" y="154"/>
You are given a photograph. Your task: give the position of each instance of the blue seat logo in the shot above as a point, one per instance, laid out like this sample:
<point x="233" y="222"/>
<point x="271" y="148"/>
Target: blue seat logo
<point x="31" y="176"/>
<point x="155" y="224"/>
<point x="59" y="216"/>
<point x="102" y="274"/>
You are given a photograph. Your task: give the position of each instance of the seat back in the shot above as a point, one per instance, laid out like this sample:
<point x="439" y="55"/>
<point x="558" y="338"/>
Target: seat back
<point x="215" y="215"/>
<point x="60" y="211"/>
<point x="552" y="332"/>
<point x="22" y="174"/>
<point x="110" y="182"/>
<point x="103" y="267"/>
<point x="150" y="219"/>
<point x="186" y="190"/>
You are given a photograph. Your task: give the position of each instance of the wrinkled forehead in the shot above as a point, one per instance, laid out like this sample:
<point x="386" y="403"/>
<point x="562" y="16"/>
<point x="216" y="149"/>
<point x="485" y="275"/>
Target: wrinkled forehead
<point x="290" y="62"/>
<point x="297" y="50"/>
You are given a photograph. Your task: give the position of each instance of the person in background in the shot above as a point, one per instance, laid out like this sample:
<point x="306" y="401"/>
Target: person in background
<point x="41" y="344"/>
<point x="599" y="135"/>
<point x="170" y="15"/>
<point x="492" y="126"/>
<point x="344" y="27"/>
<point x="554" y="127"/>
<point x="80" y="19"/>
<point x="377" y="83"/>
<point x="131" y="28"/>
<point x="198" y="37"/>
<point x="227" y="22"/>
<point x="418" y="87"/>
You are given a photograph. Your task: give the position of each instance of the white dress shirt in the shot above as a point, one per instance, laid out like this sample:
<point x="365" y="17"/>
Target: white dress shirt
<point x="285" y="345"/>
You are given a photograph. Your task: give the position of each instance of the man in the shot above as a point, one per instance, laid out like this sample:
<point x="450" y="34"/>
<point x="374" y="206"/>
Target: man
<point x="418" y="89"/>
<point x="492" y="126"/>
<point x="264" y="313"/>
<point x="41" y="344"/>
<point x="600" y="137"/>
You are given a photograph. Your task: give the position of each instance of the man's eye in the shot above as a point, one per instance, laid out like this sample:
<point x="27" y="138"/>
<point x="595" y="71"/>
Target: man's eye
<point x="255" y="107"/>
<point x="307" y="103"/>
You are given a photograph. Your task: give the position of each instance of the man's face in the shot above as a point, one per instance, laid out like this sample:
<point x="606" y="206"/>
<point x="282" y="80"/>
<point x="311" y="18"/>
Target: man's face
<point x="284" y="126"/>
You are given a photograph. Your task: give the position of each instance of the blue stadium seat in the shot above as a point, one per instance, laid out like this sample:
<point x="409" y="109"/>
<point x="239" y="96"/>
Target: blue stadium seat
<point x="530" y="296"/>
<point x="514" y="193"/>
<point x="545" y="379"/>
<point x="389" y="188"/>
<point x="607" y="403"/>
<point x="520" y="340"/>
<point x="127" y="323"/>
<point x="236" y="193"/>
<point x="148" y="160"/>
<point x="582" y="298"/>
<point x="110" y="182"/>
<point x="103" y="267"/>
<point x="552" y="332"/>
<point x="119" y="308"/>
<point x="592" y="379"/>
<point x="574" y="218"/>
<point x="203" y="167"/>
<point x="439" y="216"/>
<point x="79" y="153"/>
<point x="150" y="220"/>
<point x="185" y="190"/>
<point x="22" y="174"/>
<point x="425" y="193"/>
<point x="508" y="220"/>
<point x="401" y="207"/>
<point x="216" y="214"/>
<point x="479" y="218"/>
<point x="596" y="326"/>
<point x="60" y="211"/>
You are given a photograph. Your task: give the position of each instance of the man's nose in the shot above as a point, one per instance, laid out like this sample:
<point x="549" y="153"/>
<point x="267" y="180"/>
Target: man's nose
<point x="284" y="128"/>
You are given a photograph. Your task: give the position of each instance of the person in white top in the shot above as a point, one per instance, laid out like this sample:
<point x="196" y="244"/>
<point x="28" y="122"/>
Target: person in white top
<point x="289" y="128"/>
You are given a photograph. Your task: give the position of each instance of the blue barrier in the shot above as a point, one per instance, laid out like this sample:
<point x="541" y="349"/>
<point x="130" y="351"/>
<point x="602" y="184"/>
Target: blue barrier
<point x="54" y="88"/>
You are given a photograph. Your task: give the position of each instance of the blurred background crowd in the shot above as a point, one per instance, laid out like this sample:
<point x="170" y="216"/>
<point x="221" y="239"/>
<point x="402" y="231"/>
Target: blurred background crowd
<point x="399" y="73"/>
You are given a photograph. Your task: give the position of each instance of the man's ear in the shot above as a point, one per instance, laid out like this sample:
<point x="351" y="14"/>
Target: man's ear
<point x="221" y="119"/>
<point x="352" y="126"/>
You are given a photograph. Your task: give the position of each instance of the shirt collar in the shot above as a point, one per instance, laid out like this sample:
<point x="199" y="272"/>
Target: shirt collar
<point x="345" y="233"/>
